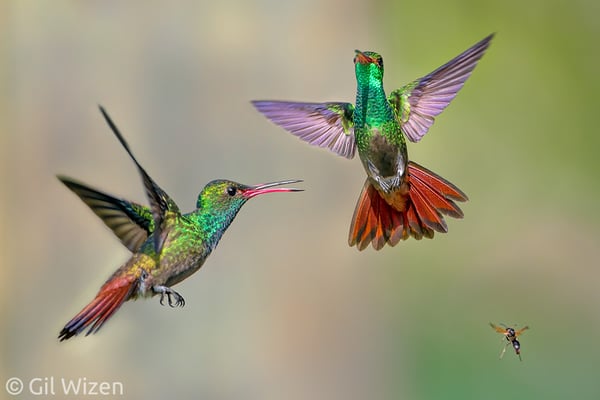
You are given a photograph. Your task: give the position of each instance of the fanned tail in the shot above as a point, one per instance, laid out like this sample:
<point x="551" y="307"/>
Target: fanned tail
<point x="108" y="300"/>
<point x="374" y="221"/>
<point x="430" y="197"/>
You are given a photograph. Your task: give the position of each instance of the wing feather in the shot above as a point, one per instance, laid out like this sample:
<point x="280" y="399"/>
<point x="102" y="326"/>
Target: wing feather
<point x="418" y="103"/>
<point x="160" y="202"/>
<point x="327" y="125"/>
<point x="132" y="223"/>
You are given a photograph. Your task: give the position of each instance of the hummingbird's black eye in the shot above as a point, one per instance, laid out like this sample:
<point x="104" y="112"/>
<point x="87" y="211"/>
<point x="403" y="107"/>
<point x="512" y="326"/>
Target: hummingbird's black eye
<point x="231" y="190"/>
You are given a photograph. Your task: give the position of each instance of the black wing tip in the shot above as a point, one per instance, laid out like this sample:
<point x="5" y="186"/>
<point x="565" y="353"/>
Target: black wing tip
<point x="123" y="142"/>
<point x="111" y="124"/>
<point x="158" y="198"/>
<point x="485" y="42"/>
<point x="71" y="183"/>
<point x="65" y="179"/>
<point x="489" y="37"/>
<point x="116" y="131"/>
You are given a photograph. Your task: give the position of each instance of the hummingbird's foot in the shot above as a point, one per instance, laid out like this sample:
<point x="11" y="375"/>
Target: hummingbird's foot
<point x="174" y="299"/>
<point x="383" y="183"/>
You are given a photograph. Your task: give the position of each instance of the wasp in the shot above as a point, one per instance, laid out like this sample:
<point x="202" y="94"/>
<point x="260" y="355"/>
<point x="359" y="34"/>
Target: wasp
<point x="510" y="334"/>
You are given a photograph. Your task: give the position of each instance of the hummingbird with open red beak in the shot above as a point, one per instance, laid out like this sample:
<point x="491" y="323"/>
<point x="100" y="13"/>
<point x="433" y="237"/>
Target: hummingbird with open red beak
<point x="168" y="246"/>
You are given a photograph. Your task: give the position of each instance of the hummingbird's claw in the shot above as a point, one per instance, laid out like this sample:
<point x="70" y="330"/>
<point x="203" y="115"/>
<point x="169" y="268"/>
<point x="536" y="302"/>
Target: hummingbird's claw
<point x="174" y="299"/>
<point x="179" y="300"/>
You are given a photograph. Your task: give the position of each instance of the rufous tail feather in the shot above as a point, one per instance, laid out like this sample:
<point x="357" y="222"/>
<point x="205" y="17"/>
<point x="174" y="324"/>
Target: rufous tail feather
<point x="108" y="300"/>
<point x="430" y="197"/>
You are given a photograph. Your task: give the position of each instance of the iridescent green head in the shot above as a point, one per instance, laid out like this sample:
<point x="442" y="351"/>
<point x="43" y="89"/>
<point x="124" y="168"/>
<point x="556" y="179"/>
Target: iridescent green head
<point x="368" y="66"/>
<point x="221" y="200"/>
<point x="223" y="196"/>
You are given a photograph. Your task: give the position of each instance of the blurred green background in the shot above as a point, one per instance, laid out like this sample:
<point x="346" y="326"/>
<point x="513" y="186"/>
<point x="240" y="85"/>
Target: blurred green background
<point x="284" y="309"/>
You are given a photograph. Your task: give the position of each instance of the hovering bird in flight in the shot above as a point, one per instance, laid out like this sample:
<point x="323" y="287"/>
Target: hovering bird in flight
<point x="400" y="198"/>
<point x="167" y="246"/>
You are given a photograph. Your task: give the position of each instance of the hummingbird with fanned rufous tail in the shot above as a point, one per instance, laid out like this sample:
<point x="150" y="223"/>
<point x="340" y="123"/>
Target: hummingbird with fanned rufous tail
<point x="400" y="198"/>
<point x="167" y="246"/>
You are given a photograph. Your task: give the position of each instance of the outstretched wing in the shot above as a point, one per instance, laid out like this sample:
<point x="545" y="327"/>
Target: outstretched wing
<point x="498" y="329"/>
<point x="328" y="125"/>
<point x="160" y="202"/>
<point x="131" y="222"/>
<point x="418" y="103"/>
<point x="520" y="331"/>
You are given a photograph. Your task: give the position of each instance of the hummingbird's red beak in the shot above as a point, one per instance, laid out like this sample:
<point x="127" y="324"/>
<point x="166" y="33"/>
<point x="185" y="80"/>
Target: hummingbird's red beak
<point x="362" y="58"/>
<point x="253" y="191"/>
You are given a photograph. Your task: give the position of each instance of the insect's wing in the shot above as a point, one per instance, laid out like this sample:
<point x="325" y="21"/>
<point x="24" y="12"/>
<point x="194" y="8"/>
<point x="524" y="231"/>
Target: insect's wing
<point x="498" y="329"/>
<point x="520" y="331"/>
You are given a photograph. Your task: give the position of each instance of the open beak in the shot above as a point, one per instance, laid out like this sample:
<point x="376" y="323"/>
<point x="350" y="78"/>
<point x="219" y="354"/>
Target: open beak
<point x="362" y="57"/>
<point x="253" y="191"/>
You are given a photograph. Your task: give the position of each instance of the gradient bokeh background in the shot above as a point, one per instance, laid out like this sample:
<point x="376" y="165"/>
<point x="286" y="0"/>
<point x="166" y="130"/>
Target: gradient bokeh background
<point x="284" y="309"/>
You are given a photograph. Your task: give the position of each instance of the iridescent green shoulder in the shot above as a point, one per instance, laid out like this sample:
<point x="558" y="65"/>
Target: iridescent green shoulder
<point x="399" y="100"/>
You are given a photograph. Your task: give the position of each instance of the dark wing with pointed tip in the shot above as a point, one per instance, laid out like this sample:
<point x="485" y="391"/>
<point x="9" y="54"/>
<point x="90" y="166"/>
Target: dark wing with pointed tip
<point x="328" y="125"/>
<point x="418" y="103"/>
<point x="160" y="202"/>
<point x="131" y="222"/>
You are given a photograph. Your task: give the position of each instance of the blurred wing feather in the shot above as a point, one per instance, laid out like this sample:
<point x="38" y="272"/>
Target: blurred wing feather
<point x="160" y="202"/>
<point x="132" y="223"/>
